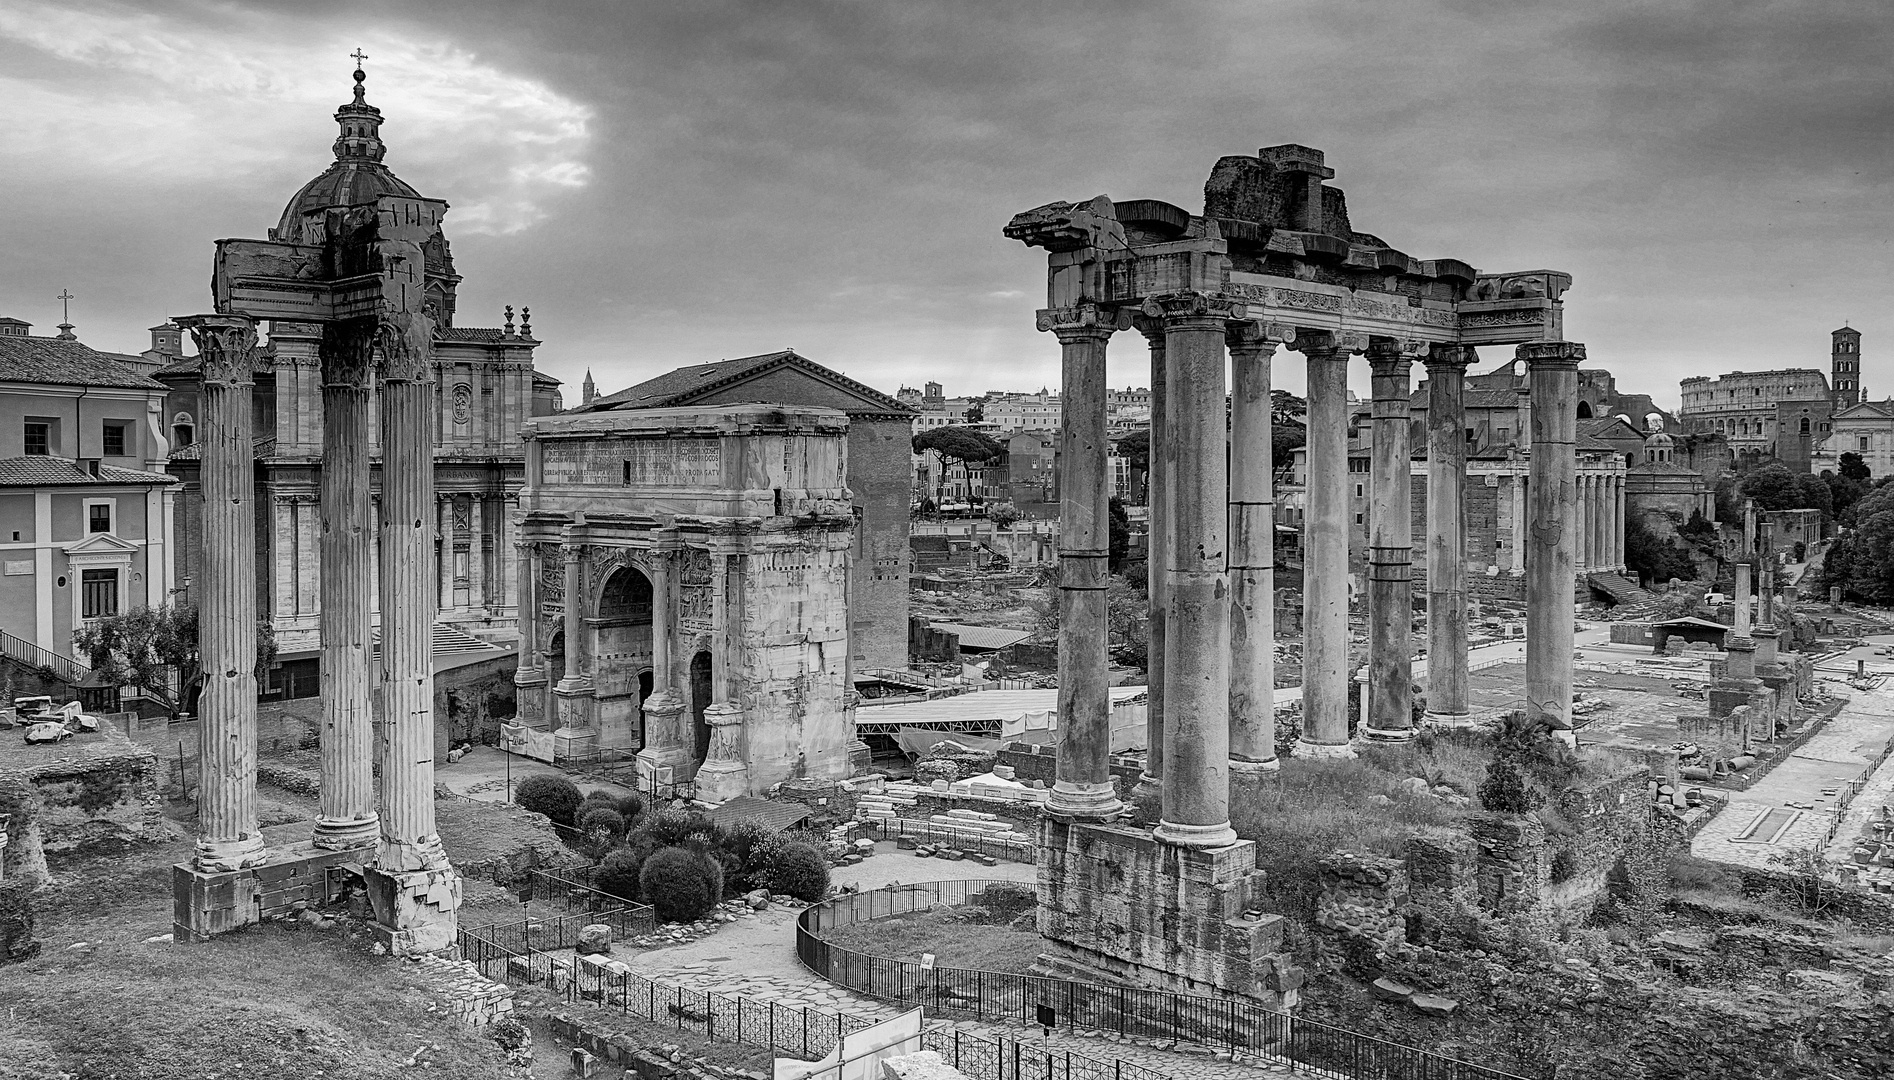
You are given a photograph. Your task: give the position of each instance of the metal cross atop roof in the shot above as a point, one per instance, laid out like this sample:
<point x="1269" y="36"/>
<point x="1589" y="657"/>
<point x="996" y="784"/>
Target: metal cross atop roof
<point x="359" y="56"/>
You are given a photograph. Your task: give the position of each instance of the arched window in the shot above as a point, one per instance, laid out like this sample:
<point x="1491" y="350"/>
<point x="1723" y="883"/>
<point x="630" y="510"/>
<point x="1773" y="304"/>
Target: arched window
<point x="1805" y="425"/>
<point x="183" y="430"/>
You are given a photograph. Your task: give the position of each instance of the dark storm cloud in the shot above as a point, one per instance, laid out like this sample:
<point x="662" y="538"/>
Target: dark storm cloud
<point x="833" y="177"/>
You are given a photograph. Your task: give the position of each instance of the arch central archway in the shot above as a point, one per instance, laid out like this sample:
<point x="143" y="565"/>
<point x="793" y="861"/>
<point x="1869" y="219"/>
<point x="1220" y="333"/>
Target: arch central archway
<point x="621" y="650"/>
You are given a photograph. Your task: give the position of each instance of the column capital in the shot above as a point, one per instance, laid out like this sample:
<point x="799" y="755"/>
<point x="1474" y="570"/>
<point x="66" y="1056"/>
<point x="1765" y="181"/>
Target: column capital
<point x="406" y="340"/>
<point x="1182" y="306"/>
<point x="227" y="346"/>
<point x="1443" y="357"/>
<point x="1084" y="320"/>
<point x="1257" y="337"/>
<point x="1386" y="350"/>
<point x="1551" y="353"/>
<point x="347" y="353"/>
<point x="1331" y="344"/>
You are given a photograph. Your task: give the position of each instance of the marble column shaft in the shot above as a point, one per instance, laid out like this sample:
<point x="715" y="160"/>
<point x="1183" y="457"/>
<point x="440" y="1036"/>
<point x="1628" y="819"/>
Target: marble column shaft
<point x="1518" y="563"/>
<point x="1156" y="558"/>
<point x="228" y="834"/>
<point x="1742" y="626"/>
<point x="347" y="816"/>
<point x="1390" y="549"/>
<point x="1325" y="667"/>
<point x="409" y="594"/>
<point x="1196" y="787"/>
<point x="1082" y="785"/>
<point x="1446" y="529"/>
<point x="1252" y="549"/>
<point x="573" y="555"/>
<point x="1550" y="576"/>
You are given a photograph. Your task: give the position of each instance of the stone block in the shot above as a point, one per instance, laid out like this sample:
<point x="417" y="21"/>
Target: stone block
<point x="594" y="938"/>
<point x="1388" y="990"/>
<point x="1433" y="1004"/>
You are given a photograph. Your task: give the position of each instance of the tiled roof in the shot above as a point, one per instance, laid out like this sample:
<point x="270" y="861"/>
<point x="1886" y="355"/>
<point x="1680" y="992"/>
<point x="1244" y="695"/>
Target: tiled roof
<point x="69" y="363"/>
<point x="772" y="816"/>
<point x="482" y="334"/>
<point x="39" y="470"/>
<point x="679" y="386"/>
<point x="983" y="637"/>
<point x="191" y="365"/>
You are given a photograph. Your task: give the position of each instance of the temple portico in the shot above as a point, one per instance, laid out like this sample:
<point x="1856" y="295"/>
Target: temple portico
<point x="1271" y="261"/>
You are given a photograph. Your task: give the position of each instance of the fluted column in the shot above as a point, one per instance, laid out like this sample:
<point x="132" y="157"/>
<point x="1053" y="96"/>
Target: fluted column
<point x="1582" y="520"/>
<point x="1617" y="531"/>
<point x="1196" y="787"/>
<point x="347" y="816"/>
<point x="1517" y="567"/>
<point x="1082" y="784"/>
<point x="573" y="554"/>
<point x="1446" y="529"/>
<point x="668" y="743"/>
<point x="1325" y="669"/>
<point x="1390" y="548"/>
<point x="1252" y="550"/>
<point x="409" y="592"/>
<point x="1553" y="368"/>
<point x="1156" y="562"/>
<point x="228" y="837"/>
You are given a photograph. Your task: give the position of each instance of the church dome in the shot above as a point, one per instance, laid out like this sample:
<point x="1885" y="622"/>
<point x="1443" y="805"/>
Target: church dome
<point x="358" y="175"/>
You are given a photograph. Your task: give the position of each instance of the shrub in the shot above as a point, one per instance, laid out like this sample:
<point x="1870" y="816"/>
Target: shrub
<point x="801" y="870"/>
<point x="603" y="828"/>
<point x="618" y="873"/>
<point x="681" y="885"/>
<point x="669" y="827"/>
<point x="742" y="849"/>
<point x="627" y="807"/>
<point x="1007" y="899"/>
<point x="1504" y="790"/>
<point x="554" y="796"/>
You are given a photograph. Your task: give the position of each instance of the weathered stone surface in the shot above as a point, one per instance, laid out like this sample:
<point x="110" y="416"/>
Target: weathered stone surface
<point x="594" y="939"/>
<point x="1389" y="990"/>
<point x="920" y="1065"/>
<point x="1433" y="1004"/>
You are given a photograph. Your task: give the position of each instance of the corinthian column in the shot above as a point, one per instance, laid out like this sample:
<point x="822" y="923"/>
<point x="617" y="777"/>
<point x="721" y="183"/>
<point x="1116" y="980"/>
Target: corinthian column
<point x="1082" y="786"/>
<point x="347" y="816"/>
<point x="1252" y="551"/>
<point x="1196" y="789"/>
<point x="1553" y="369"/>
<point x="1390" y="550"/>
<point x="1446" y="530"/>
<point x="228" y="837"/>
<point x="1157" y="487"/>
<point x="408" y="600"/>
<point x="1325" y="565"/>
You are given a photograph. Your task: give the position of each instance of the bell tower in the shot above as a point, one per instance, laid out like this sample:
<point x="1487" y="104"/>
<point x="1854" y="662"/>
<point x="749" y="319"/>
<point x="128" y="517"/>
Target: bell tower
<point x="1845" y="367"/>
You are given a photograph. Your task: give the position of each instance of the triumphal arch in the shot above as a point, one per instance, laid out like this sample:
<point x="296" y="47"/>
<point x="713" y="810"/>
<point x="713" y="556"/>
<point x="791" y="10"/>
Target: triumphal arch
<point x="1272" y="260"/>
<point x="684" y="577"/>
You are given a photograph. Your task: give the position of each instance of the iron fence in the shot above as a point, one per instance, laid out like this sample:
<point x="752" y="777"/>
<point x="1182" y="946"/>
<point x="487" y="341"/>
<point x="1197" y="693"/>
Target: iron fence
<point x="574" y="886"/>
<point x="501" y="952"/>
<point x="1240" y="1027"/>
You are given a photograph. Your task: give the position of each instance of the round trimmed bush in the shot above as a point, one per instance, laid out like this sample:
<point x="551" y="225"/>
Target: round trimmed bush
<point x="603" y="828"/>
<point x="801" y="870"/>
<point x="618" y="872"/>
<point x="681" y="885"/>
<point x="669" y="827"/>
<point x="554" y="796"/>
<point x="627" y="806"/>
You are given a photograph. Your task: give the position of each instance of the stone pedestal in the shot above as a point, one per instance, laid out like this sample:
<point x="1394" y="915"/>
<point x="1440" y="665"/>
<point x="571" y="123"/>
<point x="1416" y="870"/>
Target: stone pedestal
<point x="207" y="903"/>
<point x="666" y="757"/>
<point x="723" y="775"/>
<point x="414" y="909"/>
<point x="1117" y="905"/>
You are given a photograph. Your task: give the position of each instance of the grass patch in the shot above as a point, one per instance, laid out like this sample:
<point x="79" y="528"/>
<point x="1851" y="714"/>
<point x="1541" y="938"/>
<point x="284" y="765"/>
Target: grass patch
<point x="1311" y="807"/>
<point x="959" y="937"/>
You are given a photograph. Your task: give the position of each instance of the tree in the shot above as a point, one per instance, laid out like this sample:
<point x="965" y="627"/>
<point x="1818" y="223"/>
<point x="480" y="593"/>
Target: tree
<point x="976" y="412"/>
<point x="1118" y="536"/>
<point x="1772" y="487"/>
<point x="1003" y="514"/>
<point x="155" y="651"/>
<point x="958" y="443"/>
<point x="1288" y="430"/>
<point x="1136" y="448"/>
<point x="1853" y="468"/>
<point x="1648" y="556"/>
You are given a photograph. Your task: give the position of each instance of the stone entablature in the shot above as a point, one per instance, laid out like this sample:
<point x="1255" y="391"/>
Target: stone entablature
<point x="685" y="577"/>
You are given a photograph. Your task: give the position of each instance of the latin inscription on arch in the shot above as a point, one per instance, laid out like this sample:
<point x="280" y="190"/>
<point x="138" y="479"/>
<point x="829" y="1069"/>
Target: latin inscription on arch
<point x="634" y="462"/>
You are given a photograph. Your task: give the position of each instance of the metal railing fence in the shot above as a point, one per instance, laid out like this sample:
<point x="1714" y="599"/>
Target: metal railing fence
<point x="1240" y="1027"/>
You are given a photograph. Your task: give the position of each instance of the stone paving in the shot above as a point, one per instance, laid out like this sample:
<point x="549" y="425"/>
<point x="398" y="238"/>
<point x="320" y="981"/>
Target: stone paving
<point x="755" y="957"/>
<point x="1845" y="749"/>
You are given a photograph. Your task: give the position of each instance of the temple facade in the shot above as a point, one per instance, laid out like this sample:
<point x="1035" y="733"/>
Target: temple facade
<point x="486" y="389"/>
<point x="685" y="577"/>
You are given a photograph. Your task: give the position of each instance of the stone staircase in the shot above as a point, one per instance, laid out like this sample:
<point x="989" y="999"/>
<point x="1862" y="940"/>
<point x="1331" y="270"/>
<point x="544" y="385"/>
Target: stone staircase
<point x="1622" y="590"/>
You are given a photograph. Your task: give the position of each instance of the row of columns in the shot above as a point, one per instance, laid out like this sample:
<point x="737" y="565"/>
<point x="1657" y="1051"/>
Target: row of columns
<point x="349" y="815"/>
<point x="1601" y="521"/>
<point x="1211" y="634"/>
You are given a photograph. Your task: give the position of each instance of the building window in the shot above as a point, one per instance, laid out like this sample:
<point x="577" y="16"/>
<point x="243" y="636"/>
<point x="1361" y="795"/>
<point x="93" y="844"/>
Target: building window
<point x="1357" y="519"/>
<point x="114" y="443"/>
<point x="1805" y="425"/>
<point x="99" y="518"/>
<point x="98" y="591"/>
<point x="1864" y="442"/>
<point x="1358" y="491"/>
<point x="39" y="437"/>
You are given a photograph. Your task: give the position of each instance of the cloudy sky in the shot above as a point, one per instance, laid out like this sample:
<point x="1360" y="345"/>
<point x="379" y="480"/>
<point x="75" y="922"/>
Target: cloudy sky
<point x="668" y="183"/>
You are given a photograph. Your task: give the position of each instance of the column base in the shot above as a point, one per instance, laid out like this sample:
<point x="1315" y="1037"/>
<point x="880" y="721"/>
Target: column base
<point x="721" y="781"/>
<point x="1305" y="749"/>
<point x="415" y="910"/>
<point x="1255" y="767"/>
<point x="1148" y="786"/>
<point x="1446" y="720"/>
<point x="336" y="834"/>
<point x="1385" y="735"/>
<point x="223" y="856"/>
<point x="1195" y="836"/>
<point x="1079" y="801"/>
